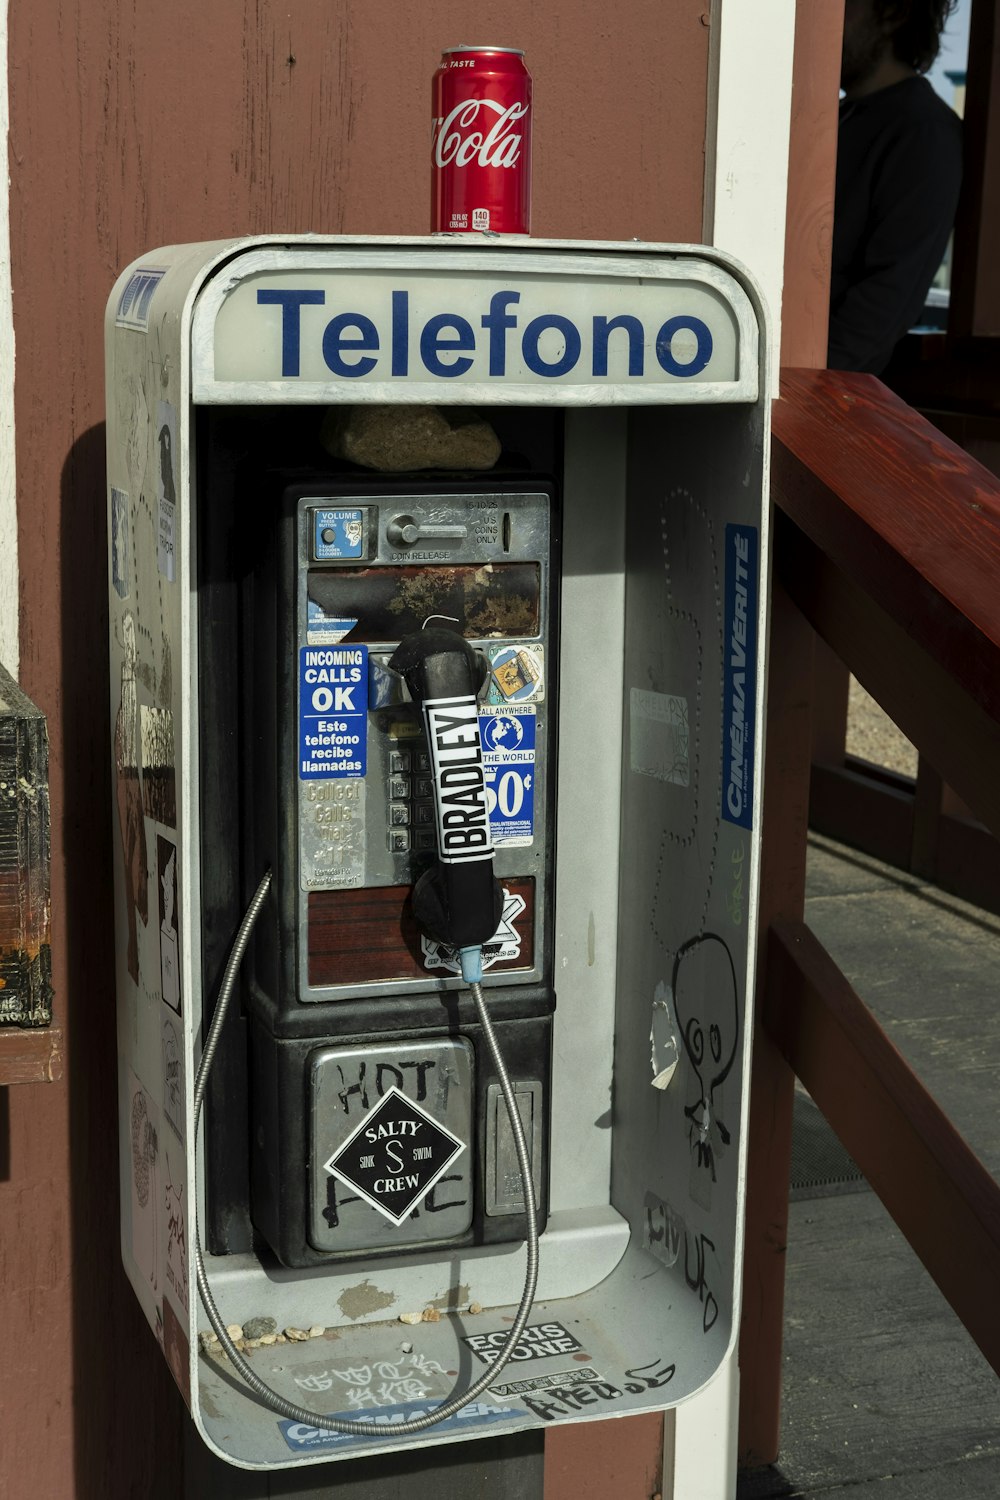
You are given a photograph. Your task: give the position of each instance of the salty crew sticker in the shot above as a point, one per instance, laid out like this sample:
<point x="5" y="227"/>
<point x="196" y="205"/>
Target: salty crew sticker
<point x="395" y="1155"/>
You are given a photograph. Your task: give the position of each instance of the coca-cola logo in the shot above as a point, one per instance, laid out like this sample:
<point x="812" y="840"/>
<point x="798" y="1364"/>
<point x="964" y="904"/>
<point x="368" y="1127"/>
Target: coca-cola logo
<point x="457" y="141"/>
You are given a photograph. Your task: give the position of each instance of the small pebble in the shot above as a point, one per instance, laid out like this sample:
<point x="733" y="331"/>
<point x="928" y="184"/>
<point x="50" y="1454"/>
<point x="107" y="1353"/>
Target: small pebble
<point x="406" y="1348"/>
<point x="317" y="1331"/>
<point x="207" y="1340"/>
<point x="430" y="1315"/>
<point x="268" y="1338"/>
<point x="410" y="1318"/>
<point x="475" y="1307"/>
<point x="235" y="1331"/>
<point x="255" y="1328"/>
<point x="280" y="1339"/>
<point x="296" y="1335"/>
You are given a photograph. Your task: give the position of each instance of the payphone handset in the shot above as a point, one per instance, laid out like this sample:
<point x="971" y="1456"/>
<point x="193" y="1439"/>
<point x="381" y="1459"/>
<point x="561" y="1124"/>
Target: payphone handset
<point x="457" y="901"/>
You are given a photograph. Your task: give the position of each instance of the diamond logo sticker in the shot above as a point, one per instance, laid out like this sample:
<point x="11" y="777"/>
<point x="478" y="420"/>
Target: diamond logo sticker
<point x="395" y="1155"/>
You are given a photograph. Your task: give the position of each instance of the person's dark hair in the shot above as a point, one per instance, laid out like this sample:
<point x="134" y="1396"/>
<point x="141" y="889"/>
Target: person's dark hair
<point x="918" y="24"/>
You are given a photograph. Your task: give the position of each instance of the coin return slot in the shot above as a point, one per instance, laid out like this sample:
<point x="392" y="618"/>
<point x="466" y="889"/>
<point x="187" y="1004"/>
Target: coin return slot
<point x="503" y="1177"/>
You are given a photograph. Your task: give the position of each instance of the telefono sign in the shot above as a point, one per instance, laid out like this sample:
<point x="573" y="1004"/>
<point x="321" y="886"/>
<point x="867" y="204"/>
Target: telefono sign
<point x="303" y="327"/>
<point x="448" y="344"/>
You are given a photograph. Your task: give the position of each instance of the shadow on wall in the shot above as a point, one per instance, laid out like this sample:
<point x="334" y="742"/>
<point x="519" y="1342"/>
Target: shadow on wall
<point x="128" y="1414"/>
<point x="132" y="1434"/>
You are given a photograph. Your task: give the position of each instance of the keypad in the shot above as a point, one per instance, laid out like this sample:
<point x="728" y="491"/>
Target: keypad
<point x="410" y="803"/>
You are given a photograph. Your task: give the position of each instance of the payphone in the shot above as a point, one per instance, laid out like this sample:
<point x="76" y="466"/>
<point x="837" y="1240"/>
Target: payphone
<point x="353" y="581"/>
<point x="411" y="729"/>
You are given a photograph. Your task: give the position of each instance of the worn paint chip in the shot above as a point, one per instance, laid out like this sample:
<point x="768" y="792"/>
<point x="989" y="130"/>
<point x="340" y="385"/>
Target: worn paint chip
<point x="362" y="1300"/>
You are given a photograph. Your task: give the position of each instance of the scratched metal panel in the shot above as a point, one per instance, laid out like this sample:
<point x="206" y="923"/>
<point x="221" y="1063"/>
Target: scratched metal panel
<point x="153" y="783"/>
<point x="690" y="826"/>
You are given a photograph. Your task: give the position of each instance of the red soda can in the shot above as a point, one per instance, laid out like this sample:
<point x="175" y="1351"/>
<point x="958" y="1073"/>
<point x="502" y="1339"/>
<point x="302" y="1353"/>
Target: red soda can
<point x="481" y="150"/>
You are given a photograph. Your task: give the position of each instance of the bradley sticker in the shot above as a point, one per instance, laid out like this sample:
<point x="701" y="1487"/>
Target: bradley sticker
<point x="456" y="755"/>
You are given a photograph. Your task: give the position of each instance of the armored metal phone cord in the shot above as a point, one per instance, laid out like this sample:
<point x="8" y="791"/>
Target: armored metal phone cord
<point x="359" y="1427"/>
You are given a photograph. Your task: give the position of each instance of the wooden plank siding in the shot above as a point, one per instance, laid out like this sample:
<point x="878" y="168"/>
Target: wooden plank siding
<point x="133" y="126"/>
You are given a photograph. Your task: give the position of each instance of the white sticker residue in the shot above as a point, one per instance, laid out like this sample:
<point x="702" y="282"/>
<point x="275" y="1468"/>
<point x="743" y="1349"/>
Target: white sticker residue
<point x="659" y="738"/>
<point x="165" y="460"/>
<point x="326" y="630"/>
<point x="664" y="1054"/>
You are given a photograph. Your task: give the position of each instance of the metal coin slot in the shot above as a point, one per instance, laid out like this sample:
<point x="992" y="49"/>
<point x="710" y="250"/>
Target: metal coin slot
<point x="404" y="531"/>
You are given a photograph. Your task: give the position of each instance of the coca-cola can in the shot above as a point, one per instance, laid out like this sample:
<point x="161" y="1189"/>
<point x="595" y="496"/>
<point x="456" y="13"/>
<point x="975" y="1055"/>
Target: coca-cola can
<point x="481" y="153"/>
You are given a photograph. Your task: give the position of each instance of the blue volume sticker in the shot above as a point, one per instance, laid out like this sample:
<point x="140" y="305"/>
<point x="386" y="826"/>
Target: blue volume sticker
<point x="333" y="711"/>
<point x="338" y="534"/>
<point x="508" y="736"/>
<point x="739" y="675"/>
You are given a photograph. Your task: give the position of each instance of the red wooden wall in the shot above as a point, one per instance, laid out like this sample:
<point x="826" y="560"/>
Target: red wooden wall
<point x="134" y="125"/>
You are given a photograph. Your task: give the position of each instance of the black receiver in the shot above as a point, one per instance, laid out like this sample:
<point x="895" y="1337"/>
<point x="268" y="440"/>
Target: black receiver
<point x="458" y="901"/>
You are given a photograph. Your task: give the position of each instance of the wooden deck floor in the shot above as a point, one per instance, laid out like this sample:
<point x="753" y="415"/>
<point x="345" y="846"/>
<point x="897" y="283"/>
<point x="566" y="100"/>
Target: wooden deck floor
<point x="885" y="1397"/>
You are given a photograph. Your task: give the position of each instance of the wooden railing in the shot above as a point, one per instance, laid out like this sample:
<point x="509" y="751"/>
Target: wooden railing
<point x="887" y="546"/>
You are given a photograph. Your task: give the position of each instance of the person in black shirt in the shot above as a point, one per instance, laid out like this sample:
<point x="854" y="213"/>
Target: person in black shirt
<point x="899" y="167"/>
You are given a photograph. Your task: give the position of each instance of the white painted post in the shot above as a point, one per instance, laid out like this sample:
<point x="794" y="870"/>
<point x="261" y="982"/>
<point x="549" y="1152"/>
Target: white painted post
<point x="746" y="187"/>
<point x="705" y="1438"/>
<point x="9" y="639"/>
<point x="746" y="147"/>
